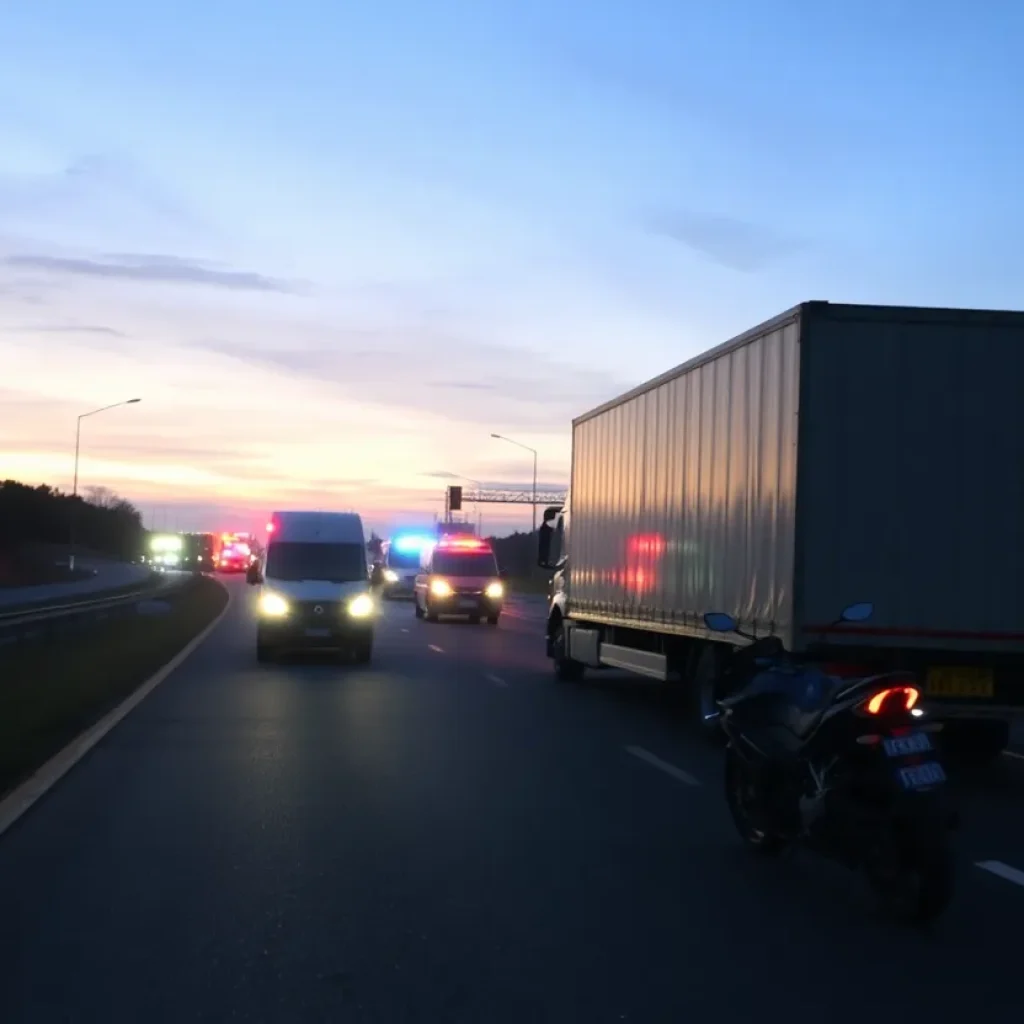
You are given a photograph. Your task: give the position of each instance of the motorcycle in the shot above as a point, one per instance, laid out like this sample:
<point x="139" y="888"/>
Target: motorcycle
<point x="844" y="767"/>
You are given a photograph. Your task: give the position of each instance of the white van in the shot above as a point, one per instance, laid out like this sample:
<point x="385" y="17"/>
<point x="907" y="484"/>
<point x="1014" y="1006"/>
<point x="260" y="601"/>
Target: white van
<point x="314" y="586"/>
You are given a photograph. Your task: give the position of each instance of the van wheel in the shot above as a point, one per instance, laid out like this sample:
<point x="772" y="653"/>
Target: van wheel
<point x="431" y="616"/>
<point x="264" y="654"/>
<point x="362" y="652"/>
<point x="474" y="620"/>
<point x="419" y="610"/>
<point x="492" y="620"/>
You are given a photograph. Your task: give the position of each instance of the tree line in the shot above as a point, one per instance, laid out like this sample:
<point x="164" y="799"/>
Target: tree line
<point x="102" y="521"/>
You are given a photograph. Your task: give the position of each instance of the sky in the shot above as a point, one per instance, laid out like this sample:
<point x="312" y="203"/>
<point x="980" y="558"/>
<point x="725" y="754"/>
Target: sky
<point x="333" y="247"/>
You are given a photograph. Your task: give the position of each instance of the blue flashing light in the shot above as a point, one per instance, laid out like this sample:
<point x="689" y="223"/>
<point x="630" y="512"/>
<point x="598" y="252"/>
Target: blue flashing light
<point x="409" y="542"/>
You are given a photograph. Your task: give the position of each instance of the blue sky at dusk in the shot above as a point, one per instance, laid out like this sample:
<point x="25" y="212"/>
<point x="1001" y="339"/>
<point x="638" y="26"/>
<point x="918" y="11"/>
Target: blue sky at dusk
<point x="335" y="246"/>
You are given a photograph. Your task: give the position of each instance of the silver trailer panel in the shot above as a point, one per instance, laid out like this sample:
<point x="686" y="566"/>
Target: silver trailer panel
<point x="683" y="493"/>
<point x="835" y="454"/>
<point x="911" y="478"/>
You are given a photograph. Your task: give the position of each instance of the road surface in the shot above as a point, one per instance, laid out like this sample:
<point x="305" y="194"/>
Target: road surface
<point x="108" y="576"/>
<point x="450" y="836"/>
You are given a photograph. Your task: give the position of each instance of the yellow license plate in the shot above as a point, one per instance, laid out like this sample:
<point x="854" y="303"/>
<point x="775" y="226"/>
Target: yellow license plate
<point x="959" y="681"/>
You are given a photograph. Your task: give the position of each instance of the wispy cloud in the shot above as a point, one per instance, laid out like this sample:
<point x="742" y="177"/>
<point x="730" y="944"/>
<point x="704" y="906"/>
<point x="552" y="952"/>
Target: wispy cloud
<point x="503" y="385"/>
<point x="96" y="329"/>
<point x="729" y="241"/>
<point x="150" y="269"/>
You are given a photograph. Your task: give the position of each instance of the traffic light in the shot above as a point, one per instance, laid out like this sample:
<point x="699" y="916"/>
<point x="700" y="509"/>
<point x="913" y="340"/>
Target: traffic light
<point x="454" y="498"/>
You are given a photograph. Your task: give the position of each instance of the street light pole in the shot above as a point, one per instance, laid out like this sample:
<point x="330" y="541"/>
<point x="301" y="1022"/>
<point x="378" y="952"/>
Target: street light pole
<point x="519" y="444"/>
<point x="74" y="489"/>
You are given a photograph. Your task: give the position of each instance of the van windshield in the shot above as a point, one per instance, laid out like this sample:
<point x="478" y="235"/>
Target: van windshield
<point x="298" y="560"/>
<point x="451" y="563"/>
<point x="403" y="559"/>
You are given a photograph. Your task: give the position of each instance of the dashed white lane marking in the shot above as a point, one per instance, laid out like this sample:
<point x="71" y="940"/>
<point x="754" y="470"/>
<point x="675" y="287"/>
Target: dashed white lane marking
<point x="1013" y="753"/>
<point x="404" y="630"/>
<point x="497" y="680"/>
<point x="997" y="867"/>
<point x="434" y="647"/>
<point x="668" y="769"/>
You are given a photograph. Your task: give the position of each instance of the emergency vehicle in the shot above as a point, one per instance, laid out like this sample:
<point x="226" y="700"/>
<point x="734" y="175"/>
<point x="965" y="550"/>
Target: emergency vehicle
<point x="459" y="575"/>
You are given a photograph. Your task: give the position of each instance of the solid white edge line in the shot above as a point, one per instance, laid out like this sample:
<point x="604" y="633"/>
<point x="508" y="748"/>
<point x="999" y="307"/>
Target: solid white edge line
<point x="36" y="786"/>
<point x="997" y="867"/>
<point x="668" y="769"/>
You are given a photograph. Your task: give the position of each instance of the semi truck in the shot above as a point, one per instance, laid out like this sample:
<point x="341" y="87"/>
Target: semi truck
<point x="835" y="454"/>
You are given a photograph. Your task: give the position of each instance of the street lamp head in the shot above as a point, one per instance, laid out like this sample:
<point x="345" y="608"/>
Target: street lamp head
<point x="132" y="401"/>
<point x="498" y="436"/>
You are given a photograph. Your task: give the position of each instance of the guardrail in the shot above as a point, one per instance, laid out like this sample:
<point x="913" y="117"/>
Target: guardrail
<point x="23" y="623"/>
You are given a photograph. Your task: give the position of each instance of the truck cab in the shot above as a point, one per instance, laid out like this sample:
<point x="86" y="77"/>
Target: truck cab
<point x="313" y="586"/>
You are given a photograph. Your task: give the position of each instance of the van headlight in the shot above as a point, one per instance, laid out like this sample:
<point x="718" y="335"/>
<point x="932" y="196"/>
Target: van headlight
<point x="390" y="576"/>
<point x="361" y="607"/>
<point x="441" y="588"/>
<point x="494" y="591"/>
<point x="273" y="605"/>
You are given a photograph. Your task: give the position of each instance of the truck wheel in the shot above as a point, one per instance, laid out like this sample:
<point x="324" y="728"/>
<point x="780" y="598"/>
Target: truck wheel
<point x="362" y="652"/>
<point x="976" y="743"/>
<point x="704" y="681"/>
<point x="264" y="653"/>
<point x="567" y="670"/>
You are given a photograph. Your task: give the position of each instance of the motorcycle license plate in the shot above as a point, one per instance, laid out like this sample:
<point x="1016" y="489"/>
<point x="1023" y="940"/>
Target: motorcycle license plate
<point x="920" y="776"/>
<point x="915" y="743"/>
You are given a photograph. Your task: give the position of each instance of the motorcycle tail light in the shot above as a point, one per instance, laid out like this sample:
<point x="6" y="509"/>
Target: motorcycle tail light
<point x="893" y="699"/>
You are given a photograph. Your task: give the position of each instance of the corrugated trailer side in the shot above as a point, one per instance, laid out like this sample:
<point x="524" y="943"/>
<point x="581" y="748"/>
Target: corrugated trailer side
<point x="683" y="492"/>
<point x="911" y="476"/>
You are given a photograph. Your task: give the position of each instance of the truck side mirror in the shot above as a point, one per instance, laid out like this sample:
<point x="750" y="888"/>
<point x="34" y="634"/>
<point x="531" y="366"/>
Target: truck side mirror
<point x="544" y="536"/>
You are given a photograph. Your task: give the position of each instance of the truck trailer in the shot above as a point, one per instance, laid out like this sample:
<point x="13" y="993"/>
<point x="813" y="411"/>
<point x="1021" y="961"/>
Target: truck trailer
<point x="835" y="454"/>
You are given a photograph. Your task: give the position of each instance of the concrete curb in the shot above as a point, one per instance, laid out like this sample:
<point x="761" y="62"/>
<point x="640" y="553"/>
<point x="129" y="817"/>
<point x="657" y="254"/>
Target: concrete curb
<point x="34" y="788"/>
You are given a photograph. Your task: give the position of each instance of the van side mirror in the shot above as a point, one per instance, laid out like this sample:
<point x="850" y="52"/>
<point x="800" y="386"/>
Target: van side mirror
<point x="253" y="575"/>
<point x="503" y="574"/>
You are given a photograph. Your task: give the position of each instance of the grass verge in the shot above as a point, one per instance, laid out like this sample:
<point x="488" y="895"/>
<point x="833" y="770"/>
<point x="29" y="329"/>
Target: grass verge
<point x="53" y="690"/>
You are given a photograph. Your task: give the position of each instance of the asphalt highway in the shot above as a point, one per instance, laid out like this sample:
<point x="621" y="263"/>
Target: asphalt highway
<point x="448" y="835"/>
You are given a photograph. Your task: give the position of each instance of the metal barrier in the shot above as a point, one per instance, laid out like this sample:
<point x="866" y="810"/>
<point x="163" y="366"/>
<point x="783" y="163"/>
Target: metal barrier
<point x="28" y="623"/>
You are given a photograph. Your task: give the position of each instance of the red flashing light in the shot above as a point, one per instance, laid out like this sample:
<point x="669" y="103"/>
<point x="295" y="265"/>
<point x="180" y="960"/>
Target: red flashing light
<point x="907" y="695"/>
<point x="270" y="527"/>
<point x="464" y="543"/>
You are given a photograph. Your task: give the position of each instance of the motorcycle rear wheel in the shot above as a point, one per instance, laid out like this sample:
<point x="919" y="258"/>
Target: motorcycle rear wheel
<point x="913" y="880"/>
<point x="744" y="794"/>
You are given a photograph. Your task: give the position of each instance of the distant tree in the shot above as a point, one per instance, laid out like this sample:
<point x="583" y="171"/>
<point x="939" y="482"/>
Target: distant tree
<point x="101" y="497"/>
<point x="105" y="522"/>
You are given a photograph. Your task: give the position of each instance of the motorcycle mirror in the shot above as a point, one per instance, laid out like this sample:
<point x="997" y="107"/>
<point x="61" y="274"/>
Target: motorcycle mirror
<point x="720" y="622"/>
<point x="858" y="612"/>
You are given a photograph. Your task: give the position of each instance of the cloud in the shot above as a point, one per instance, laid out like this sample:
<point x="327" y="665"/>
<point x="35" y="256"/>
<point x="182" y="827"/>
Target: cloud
<point x="460" y="385"/>
<point x="729" y="241"/>
<point x="97" y="329"/>
<point x="151" y="269"/>
<point x="94" y="183"/>
<point x="503" y="386"/>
